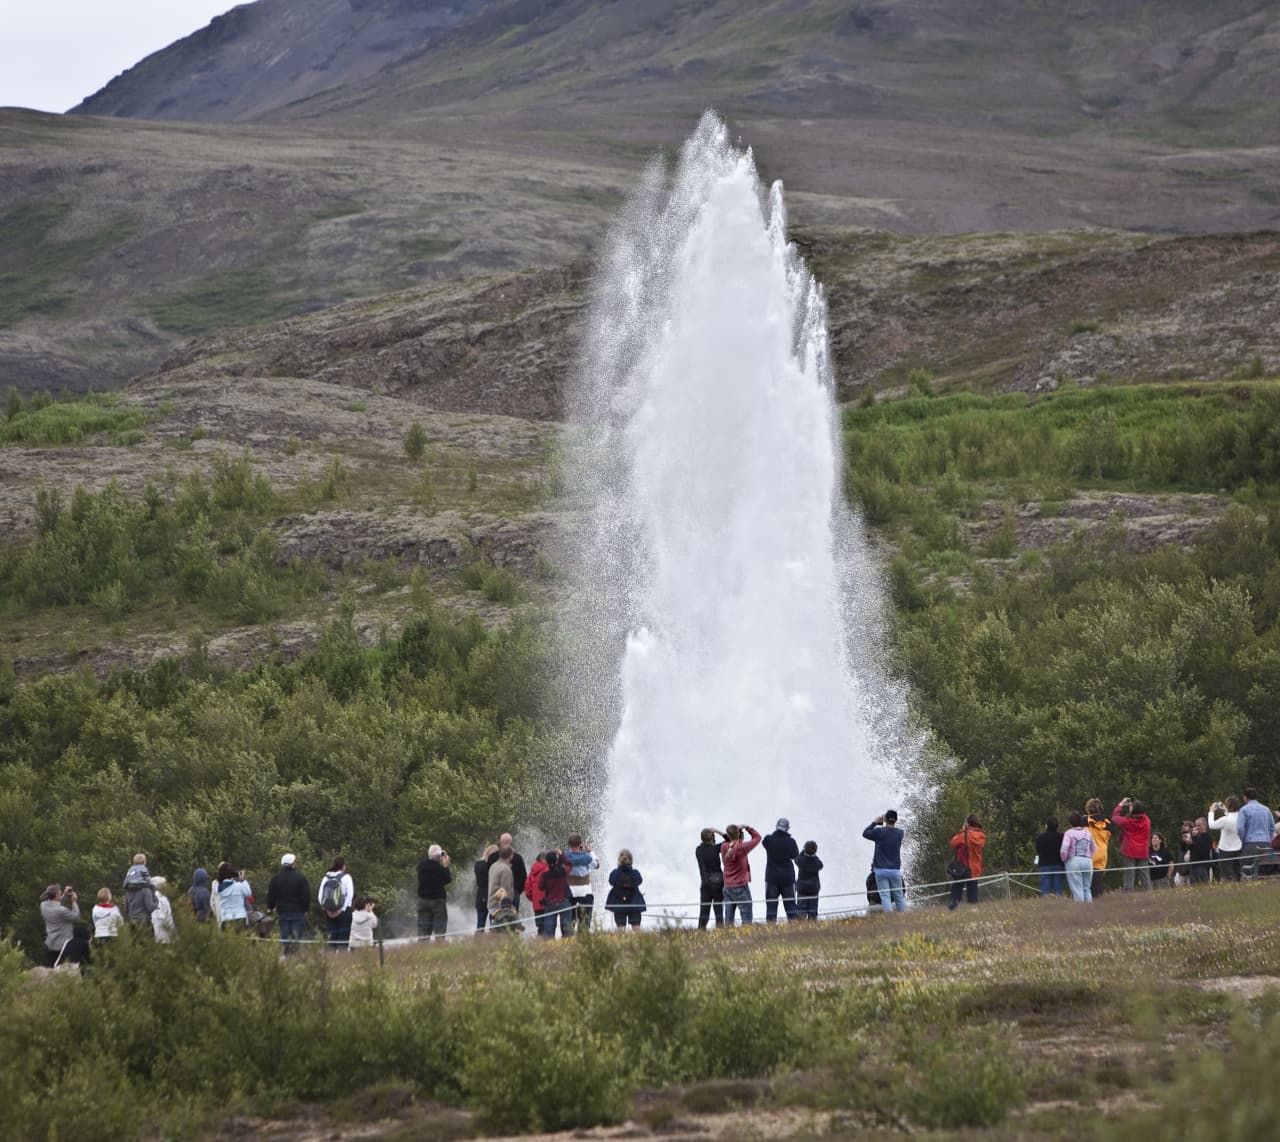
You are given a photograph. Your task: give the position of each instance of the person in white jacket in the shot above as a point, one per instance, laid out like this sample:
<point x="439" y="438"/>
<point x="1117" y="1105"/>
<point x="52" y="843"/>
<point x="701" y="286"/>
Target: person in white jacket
<point x="107" y="918"/>
<point x="336" y="896"/>
<point x="162" y="917"/>
<point x="1222" y="817"/>
<point x="363" y="923"/>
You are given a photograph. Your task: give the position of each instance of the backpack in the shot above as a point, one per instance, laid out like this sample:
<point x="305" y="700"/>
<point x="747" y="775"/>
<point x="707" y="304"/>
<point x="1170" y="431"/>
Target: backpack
<point x="332" y="899"/>
<point x="626" y="887"/>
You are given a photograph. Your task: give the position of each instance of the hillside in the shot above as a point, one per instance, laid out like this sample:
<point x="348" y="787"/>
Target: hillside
<point x="445" y="141"/>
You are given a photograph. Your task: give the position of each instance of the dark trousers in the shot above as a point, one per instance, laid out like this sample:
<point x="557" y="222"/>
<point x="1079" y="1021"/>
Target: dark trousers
<point x="1098" y="885"/>
<point x="622" y="919"/>
<point x="1228" y="866"/>
<point x="711" y="898"/>
<point x="293" y="926"/>
<point x="338" y="929"/>
<point x="968" y="888"/>
<point x="433" y="918"/>
<point x="807" y="902"/>
<point x="773" y="889"/>
<point x="482" y="915"/>
<point x="582" y="906"/>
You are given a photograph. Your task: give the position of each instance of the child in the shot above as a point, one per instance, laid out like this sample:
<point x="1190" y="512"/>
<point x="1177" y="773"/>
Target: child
<point x="139" y="898"/>
<point x="807" y="883"/>
<point x="363" y="923"/>
<point x="162" y="917"/>
<point x="625" y="899"/>
<point x="504" y="917"/>
<point x="106" y="917"/>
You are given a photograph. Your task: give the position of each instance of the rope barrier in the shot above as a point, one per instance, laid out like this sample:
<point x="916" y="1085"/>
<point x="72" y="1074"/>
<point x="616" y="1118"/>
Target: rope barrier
<point x="663" y="913"/>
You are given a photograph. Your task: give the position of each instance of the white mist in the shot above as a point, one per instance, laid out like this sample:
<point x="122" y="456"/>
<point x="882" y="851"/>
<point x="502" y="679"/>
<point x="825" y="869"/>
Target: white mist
<point x="733" y="602"/>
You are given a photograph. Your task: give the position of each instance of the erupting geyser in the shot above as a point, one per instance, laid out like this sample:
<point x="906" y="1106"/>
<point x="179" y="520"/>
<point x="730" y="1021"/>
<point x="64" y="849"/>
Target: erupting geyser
<point x="730" y="593"/>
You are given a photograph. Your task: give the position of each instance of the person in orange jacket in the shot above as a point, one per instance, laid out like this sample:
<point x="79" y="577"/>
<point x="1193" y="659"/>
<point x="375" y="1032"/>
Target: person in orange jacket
<point x="968" y="844"/>
<point x="1099" y="824"/>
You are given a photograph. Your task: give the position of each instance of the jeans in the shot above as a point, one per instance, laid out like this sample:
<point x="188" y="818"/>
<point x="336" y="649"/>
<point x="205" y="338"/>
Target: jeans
<point x="561" y="914"/>
<point x="807" y="905"/>
<point x="711" y="897"/>
<point x="433" y="918"/>
<point x="1142" y="866"/>
<point x="1249" y="858"/>
<point x="1080" y="876"/>
<point x="893" y="897"/>
<point x="773" y="889"/>
<point x="293" y="926"/>
<point x="964" y="888"/>
<point x="482" y="915"/>
<point x="1053" y="879"/>
<point x="338" y="929"/>
<point x="739" y="898"/>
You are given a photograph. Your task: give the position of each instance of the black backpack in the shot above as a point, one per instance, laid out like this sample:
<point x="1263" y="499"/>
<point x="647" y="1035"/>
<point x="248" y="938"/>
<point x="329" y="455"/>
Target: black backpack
<point x="626" y="887"/>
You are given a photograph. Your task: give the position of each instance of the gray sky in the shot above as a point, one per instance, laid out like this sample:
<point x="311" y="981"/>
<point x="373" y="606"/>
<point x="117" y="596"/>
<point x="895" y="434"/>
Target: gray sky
<point x="54" y="53"/>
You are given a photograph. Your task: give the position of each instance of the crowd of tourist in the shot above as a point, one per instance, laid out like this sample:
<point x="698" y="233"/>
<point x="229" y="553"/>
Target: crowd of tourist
<point x="558" y="883"/>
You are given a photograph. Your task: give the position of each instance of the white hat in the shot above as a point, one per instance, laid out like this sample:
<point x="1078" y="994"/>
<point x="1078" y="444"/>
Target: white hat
<point x="158" y="882"/>
<point x="288" y="859"/>
<point x="435" y="852"/>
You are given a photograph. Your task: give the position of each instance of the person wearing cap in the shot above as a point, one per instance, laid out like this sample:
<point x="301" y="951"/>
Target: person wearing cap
<point x="780" y="872"/>
<point x="434" y="876"/>
<point x="289" y="897"/>
<point x="886" y="864"/>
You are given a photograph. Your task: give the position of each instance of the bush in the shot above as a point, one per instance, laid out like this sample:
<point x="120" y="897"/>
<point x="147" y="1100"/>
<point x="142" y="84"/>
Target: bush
<point x="415" y="441"/>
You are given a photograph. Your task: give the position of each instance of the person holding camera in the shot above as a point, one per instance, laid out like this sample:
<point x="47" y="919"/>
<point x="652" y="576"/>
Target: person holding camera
<point x="434" y="877"/>
<point x="364" y="922"/>
<point x="1131" y="820"/>
<point x="967" y="845"/>
<point x="886" y="863"/>
<point x="1222" y="820"/>
<point x="780" y="872"/>
<point x="60" y="910"/>
<point x="737" y="871"/>
<point x="710" y="879"/>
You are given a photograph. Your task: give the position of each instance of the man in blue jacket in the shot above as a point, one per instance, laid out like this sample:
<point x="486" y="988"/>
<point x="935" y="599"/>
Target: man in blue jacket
<point x="1255" y="823"/>
<point x="886" y="864"/>
<point x="780" y="872"/>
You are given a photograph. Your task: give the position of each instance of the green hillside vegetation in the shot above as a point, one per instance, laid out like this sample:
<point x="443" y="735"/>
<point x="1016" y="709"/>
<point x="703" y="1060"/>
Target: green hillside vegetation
<point x="42" y="420"/>
<point x="202" y="543"/>
<point x="1020" y="1019"/>
<point x="34" y="261"/>
<point x="442" y="734"/>
<point x="1089" y="668"/>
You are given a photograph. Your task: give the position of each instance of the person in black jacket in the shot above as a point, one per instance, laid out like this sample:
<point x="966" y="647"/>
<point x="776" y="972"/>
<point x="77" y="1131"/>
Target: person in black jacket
<point x="780" y="872"/>
<point x="289" y="897"/>
<point x="1053" y="873"/>
<point x="808" y="884"/>
<point x="434" y="876"/>
<point x="487" y="857"/>
<point x="710" y="879"/>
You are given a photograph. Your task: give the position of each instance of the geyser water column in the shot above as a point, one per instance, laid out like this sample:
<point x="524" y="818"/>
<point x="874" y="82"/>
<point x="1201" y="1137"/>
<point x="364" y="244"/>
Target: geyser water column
<point x="728" y="590"/>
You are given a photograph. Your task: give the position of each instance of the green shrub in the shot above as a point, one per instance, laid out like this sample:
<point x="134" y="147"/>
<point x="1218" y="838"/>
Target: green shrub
<point x="415" y="441"/>
<point x="530" y="1062"/>
<point x="964" y="1078"/>
<point x="741" y="1025"/>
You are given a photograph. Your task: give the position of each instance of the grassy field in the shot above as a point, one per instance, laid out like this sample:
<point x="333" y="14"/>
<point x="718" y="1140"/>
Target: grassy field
<point x="1021" y="1019"/>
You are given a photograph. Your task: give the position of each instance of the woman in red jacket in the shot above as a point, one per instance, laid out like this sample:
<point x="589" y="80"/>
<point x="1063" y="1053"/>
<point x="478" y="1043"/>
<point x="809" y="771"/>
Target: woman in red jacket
<point x="968" y="844"/>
